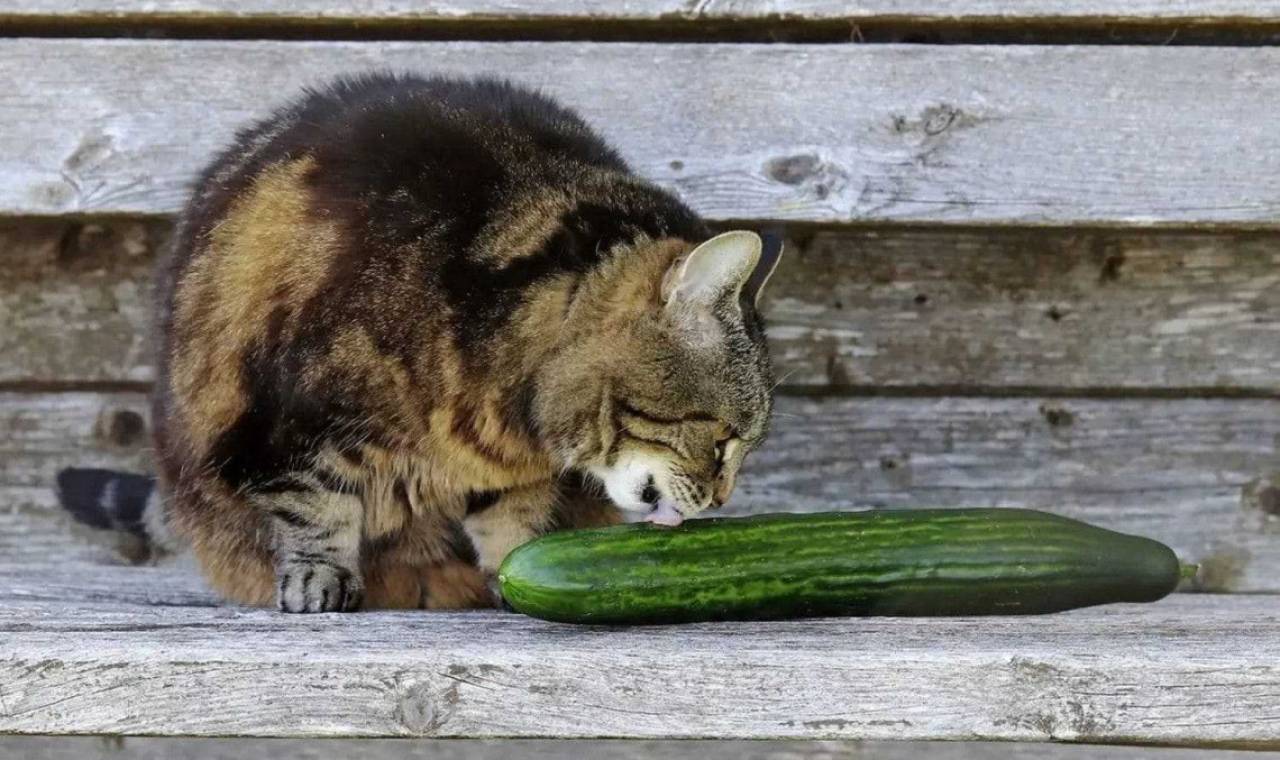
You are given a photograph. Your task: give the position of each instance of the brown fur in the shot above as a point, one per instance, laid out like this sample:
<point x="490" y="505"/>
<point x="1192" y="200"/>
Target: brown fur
<point x="356" y="407"/>
<point x="266" y="255"/>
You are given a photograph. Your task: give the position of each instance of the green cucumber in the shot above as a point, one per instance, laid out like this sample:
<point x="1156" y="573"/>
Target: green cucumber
<point x="890" y="562"/>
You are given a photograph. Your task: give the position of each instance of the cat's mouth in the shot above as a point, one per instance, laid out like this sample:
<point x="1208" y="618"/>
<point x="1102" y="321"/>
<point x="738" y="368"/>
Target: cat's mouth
<point x="662" y="511"/>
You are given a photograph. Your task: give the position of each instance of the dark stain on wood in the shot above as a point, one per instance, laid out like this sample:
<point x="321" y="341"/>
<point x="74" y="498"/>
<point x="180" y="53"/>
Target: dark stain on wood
<point x="1112" y="263"/>
<point x="121" y="427"/>
<point x="1057" y="415"/>
<point x="1263" y="495"/>
<point x="1269" y="501"/>
<point x="1221" y="570"/>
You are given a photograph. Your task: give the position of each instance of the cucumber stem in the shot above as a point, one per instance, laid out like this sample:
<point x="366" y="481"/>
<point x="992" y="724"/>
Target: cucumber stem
<point x="1188" y="571"/>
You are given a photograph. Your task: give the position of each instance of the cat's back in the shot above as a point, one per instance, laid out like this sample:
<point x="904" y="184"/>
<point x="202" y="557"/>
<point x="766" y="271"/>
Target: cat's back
<point x="377" y="222"/>
<point x="387" y="140"/>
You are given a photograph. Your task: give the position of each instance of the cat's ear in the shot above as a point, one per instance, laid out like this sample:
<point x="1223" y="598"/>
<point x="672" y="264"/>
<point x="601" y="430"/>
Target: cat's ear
<point x="770" y="255"/>
<point x="716" y="269"/>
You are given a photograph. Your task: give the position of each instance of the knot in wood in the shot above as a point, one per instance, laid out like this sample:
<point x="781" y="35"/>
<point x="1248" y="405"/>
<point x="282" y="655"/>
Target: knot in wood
<point x="418" y="712"/>
<point x="794" y="170"/>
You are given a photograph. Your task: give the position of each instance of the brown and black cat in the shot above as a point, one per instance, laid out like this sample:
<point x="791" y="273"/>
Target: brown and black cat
<point x="408" y="324"/>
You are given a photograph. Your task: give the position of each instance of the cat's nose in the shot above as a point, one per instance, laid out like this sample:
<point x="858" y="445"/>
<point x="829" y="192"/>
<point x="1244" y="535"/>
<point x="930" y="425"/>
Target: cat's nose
<point x="724" y="487"/>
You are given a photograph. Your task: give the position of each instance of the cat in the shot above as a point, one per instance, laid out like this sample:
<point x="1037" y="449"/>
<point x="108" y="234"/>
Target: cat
<point x="409" y="323"/>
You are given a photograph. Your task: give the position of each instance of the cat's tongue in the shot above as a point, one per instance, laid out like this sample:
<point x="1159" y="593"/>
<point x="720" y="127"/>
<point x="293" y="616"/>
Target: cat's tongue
<point x="665" y="514"/>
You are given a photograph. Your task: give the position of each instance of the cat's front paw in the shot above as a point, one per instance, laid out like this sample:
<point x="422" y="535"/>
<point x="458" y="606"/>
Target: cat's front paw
<point x="318" y="587"/>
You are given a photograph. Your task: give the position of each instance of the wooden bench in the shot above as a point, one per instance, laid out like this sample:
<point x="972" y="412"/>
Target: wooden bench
<point x="1042" y="274"/>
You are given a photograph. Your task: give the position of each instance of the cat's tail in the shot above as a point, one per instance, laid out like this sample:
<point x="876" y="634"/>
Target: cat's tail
<point x="119" y="501"/>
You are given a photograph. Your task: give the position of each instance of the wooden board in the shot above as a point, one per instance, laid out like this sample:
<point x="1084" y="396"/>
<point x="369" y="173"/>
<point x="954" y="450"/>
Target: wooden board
<point x="1192" y="669"/>
<point x="820" y="133"/>
<point x="1074" y="310"/>
<point x="866" y="309"/>
<point x="1201" y="475"/>
<point x="158" y="748"/>
<point x="75" y="301"/>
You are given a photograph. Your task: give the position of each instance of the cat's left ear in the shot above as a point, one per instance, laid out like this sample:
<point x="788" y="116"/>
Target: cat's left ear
<point x="719" y="268"/>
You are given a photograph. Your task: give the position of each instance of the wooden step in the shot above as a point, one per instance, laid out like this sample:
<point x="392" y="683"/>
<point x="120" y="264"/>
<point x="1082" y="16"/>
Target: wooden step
<point x="1189" y="670"/>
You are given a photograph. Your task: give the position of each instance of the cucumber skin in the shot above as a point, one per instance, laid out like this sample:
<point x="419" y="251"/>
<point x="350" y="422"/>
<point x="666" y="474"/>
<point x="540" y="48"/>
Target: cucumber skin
<point x="927" y="562"/>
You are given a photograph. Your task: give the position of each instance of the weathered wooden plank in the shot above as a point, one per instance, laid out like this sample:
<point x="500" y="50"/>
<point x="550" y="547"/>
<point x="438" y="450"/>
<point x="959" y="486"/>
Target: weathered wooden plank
<point x="826" y="133"/>
<point x="41" y="434"/>
<point x="1240" y="11"/>
<point x="172" y="582"/>
<point x="1067" y="310"/>
<point x="75" y="301"/>
<point x="1201" y="475"/>
<point x="1059" y="309"/>
<point x="1192" y="669"/>
<point x="164" y="748"/>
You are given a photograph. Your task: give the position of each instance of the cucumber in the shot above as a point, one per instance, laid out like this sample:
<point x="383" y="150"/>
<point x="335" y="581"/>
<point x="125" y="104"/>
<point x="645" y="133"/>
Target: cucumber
<point x="892" y="562"/>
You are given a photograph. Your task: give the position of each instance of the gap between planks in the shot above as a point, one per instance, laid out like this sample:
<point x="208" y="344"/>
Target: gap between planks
<point x="1198" y="22"/>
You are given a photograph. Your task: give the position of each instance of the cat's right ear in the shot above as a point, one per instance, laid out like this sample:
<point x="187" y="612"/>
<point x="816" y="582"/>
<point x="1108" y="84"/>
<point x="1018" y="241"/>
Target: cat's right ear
<point x="717" y="269"/>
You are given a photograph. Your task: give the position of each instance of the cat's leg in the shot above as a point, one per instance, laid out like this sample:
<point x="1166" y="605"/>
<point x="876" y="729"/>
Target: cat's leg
<point x="316" y="543"/>
<point x="499" y="521"/>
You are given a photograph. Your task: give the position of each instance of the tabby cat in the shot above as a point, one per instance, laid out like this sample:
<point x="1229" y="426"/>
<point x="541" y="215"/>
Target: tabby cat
<point x="410" y="323"/>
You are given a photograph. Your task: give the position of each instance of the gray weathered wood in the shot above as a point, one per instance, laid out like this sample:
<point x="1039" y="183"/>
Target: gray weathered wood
<point x="172" y="582"/>
<point x="1201" y="475"/>
<point x="75" y="301"/>
<point x="164" y="748"/>
<point x="827" y="133"/>
<point x="1239" y="11"/>
<point x="1192" y="669"/>
<point x="958" y="309"/>
<point x="1043" y="309"/>
<point x="41" y="434"/>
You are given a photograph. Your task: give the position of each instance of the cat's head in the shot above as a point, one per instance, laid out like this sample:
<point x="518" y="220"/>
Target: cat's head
<point x="665" y="385"/>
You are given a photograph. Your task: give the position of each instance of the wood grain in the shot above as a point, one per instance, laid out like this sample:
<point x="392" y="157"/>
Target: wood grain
<point x="825" y="133"/>
<point x="1045" y="309"/>
<point x="649" y="10"/>
<point x="1192" y="669"/>
<point x="1049" y="309"/>
<point x="163" y="748"/>
<point x="75" y="301"/>
<point x="1200" y="475"/>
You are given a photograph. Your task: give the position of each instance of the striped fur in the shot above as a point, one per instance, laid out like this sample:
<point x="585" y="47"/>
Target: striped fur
<point x="402" y="323"/>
